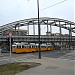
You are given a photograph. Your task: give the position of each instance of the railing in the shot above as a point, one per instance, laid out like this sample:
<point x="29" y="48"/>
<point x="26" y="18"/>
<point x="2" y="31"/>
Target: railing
<point x="43" y="38"/>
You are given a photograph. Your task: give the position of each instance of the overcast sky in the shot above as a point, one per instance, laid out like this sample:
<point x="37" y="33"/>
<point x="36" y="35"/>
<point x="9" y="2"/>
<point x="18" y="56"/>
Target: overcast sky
<point x="13" y="10"/>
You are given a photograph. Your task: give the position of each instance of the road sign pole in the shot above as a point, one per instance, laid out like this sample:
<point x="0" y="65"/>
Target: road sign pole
<point x="10" y="34"/>
<point x="0" y="51"/>
<point x="10" y="49"/>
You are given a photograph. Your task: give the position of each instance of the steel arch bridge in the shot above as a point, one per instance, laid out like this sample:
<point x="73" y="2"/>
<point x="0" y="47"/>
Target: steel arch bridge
<point x="61" y="23"/>
<point x="43" y="21"/>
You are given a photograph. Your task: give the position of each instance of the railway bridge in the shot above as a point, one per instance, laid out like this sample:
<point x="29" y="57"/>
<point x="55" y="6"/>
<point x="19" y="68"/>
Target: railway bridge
<point x="24" y="35"/>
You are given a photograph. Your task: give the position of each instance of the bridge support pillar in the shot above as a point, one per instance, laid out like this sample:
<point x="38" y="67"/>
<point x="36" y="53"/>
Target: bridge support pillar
<point x="70" y="37"/>
<point x="61" y="47"/>
<point x="60" y="36"/>
<point x="28" y="29"/>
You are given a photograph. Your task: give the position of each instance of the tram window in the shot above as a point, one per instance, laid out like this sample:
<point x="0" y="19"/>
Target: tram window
<point x="26" y="46"/>
<point x="36" y="46"/>
<point x="22" y="46"/>
<point x="29" y="46"/>
<point x="18" y="46"/>
<point x="32" y="46"/>
<point x="43" y="47"/>
<point x="48" y="46"/>
<point x="13" y="47"/>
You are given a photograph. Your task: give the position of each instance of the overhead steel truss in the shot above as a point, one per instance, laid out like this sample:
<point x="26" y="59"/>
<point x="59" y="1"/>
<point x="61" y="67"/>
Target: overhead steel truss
<point x="43" y="21"/>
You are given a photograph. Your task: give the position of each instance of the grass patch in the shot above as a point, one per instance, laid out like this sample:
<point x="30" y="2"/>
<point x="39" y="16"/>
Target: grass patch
<point x="13" y="68"/>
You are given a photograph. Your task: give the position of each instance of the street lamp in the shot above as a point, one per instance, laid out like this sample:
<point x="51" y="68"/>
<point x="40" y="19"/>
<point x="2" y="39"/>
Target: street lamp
<point x="38" y="29"/>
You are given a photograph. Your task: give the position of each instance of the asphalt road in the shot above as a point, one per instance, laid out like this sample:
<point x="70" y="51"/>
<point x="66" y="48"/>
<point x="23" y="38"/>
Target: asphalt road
<point x="58" y="54"/>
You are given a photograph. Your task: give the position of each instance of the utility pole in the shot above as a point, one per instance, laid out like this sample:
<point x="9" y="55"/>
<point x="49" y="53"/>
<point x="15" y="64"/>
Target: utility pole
<point x="38" y="30"/>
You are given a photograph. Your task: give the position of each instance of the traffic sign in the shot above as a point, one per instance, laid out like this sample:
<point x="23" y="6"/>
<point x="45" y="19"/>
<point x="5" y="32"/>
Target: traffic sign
<point x="10" y="34"/>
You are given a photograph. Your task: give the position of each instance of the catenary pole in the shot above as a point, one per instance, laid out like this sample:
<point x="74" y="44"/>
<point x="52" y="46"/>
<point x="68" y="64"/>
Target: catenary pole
<point x="38" y="30"/>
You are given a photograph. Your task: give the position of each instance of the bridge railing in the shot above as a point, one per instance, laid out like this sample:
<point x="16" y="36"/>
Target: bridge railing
<point x="35" y="38"/>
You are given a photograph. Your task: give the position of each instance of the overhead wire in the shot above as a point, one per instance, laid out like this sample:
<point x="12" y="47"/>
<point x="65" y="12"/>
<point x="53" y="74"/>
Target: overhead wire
<point x="54" y="5"/>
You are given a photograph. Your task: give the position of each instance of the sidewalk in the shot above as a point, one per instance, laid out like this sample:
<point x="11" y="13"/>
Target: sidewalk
<point x="50" y="66"/>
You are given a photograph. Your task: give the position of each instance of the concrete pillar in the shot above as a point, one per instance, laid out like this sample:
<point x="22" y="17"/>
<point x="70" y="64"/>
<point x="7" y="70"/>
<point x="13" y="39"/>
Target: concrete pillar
<point x="18" y="29"/>
<point x="60" y="35"/>
<point x="70" y="37"/>
<point x="47" y="34"/>
<point x="50" y="29"/>
<point x="15" y="30"/>
<point x="33" y="29"/>
<point x="47" y="27"/>
<point x="28" y="29"/>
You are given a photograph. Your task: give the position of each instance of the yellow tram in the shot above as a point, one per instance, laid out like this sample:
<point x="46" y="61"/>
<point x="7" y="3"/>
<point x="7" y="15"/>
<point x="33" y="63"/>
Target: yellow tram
<point x="25" y="48"/>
